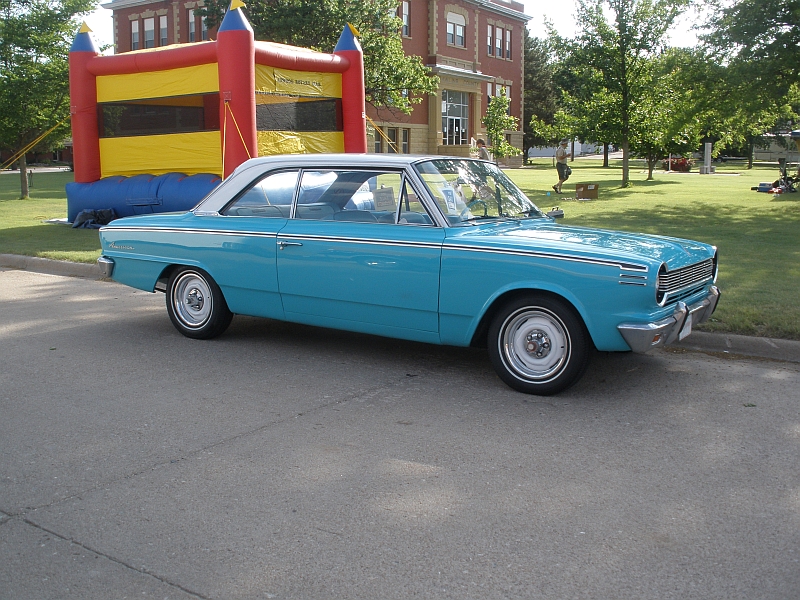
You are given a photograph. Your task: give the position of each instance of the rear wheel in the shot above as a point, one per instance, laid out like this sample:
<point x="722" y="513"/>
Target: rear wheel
<point x="539" y="345"/>
<point x="195" y="304"/>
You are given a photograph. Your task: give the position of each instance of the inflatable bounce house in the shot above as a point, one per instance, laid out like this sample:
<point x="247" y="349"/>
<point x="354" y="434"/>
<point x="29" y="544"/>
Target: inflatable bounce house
<point x="155" y="130"/>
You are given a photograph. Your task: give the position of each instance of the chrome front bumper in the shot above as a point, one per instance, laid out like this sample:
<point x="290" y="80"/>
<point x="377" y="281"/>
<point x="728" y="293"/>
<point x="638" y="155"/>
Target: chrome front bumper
<point x="106" y="266"/>
<point x="642" y="337"/>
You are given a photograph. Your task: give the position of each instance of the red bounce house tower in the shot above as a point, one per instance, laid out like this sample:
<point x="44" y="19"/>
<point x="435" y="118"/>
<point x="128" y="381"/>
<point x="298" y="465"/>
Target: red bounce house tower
<point x="155" y="130"/>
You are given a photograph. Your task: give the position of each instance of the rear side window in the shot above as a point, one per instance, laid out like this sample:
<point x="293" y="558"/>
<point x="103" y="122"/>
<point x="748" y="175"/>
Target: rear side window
<point x="268" y="197"/>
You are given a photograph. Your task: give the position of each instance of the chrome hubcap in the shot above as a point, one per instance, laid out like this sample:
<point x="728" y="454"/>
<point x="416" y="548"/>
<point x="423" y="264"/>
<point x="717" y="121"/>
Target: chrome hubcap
<point x="191" y="299"/>
<point x="535" y="344"/>
<point x="538" y="344"/>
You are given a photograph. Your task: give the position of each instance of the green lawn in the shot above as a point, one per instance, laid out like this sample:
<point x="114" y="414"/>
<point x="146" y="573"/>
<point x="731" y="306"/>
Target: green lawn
<point x="758" y="235"/>
<point x="22" y="227"/>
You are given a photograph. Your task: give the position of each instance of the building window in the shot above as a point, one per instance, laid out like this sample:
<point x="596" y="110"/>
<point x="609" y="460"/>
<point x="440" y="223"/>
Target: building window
<point x="192" y="26"/>
<point x="508" y="44"/>
<point x="498" y="42"/>
<point x="490" y="40"/>
<point x="391" y="143"/>
<point x="455" y="29"/>
<point x="149" y="33"/>
<point x="378" y="141"/>
<point x="203" y="29"/>
<point x="405" y="15"/>
<point x="497" y="90"/>
<point x="162" y="31"/>
<point x="134" y="35"/>
<point x="455" y="117"/>
<point x="405" y="143"/>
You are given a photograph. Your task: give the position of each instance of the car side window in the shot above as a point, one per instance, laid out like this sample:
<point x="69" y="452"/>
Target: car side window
<point x="268" y="197"/>
<point x="412" y="212"/>
<point x="358" y="196"/>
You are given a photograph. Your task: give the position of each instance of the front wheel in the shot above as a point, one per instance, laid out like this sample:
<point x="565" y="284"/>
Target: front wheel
<point x="195" y="304"/>
<point x="539" y="345"/>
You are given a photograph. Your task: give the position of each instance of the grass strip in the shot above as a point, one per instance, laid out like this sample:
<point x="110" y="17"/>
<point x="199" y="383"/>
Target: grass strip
<point x="758" y="234"/>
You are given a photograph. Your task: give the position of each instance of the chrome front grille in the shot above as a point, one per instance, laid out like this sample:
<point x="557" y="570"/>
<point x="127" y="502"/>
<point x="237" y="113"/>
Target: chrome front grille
<point x="675" y="283"/>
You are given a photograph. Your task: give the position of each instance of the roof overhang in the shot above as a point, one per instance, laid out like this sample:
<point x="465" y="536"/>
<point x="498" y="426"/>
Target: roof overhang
<point x="456" y="72"/>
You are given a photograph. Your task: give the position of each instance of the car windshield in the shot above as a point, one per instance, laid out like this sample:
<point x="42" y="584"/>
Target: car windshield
<point x="470" y="190"/>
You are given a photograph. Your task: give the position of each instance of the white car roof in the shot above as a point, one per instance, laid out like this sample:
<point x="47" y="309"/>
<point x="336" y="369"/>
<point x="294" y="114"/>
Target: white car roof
<point x="245" y="173"/>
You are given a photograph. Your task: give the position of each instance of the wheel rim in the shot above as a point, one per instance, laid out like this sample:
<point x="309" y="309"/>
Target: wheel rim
<point x="535" y="344"/>
<point x="191" y="300"/>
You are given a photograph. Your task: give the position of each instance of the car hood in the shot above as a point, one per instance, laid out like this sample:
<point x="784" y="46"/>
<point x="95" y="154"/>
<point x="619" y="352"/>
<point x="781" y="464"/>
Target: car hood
<point x="541" y="234"/>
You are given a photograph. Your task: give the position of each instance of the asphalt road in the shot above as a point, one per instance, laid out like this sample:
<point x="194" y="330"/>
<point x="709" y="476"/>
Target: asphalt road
<point x="282" y="461"/>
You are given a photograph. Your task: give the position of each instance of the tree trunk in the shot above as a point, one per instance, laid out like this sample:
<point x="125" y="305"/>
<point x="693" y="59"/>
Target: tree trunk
<point x="572" y="151"/>
<point x="23" y="177"/>
<point x="625" y="163"/>
<point x="651" y="164"/>
<point x="751" y="147"/>
<point x="605" y="154"/>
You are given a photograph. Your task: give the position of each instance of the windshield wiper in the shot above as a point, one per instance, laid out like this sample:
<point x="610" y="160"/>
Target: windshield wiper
<point x="472" y="219"/>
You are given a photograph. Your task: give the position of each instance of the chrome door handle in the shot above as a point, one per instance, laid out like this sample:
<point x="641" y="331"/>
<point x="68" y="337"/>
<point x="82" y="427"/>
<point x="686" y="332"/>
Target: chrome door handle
<point x="283" y="244"/>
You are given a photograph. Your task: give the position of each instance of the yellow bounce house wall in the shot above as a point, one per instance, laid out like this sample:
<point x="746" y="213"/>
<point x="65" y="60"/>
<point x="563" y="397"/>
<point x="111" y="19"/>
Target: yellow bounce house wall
<point x="200" y="152"/>
<point x="190" y="153"/>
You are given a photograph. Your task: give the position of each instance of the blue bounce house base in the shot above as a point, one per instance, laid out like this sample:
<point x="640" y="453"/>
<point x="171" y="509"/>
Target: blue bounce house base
<point x="140" y="194"/>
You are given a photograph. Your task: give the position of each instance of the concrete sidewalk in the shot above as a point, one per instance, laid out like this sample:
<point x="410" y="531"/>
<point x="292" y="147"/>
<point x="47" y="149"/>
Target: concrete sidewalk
<point x="700" y="341"/>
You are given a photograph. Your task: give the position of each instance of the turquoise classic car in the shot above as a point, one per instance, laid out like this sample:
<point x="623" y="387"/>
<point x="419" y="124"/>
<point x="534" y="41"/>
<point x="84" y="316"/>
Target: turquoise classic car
<point x="433" y="249"/>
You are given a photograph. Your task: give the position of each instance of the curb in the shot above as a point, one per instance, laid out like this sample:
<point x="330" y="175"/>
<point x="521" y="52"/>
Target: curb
<point x="700" y="341"/>
<point x="50" y="266"/>
<point x="743" y="345"/>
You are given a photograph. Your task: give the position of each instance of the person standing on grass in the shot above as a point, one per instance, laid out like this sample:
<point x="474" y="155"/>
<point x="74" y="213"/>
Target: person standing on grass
<point x="483" y="153"/>
<point x="561" y="165"/>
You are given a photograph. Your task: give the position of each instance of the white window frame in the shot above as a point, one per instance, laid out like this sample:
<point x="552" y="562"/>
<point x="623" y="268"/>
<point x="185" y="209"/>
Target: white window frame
<point x="405" y="15"/>
<point x="149" y="26"/>
<point x="135" y="39"/>
<point x="456" y="30"/>
<point x="162" y="30"/>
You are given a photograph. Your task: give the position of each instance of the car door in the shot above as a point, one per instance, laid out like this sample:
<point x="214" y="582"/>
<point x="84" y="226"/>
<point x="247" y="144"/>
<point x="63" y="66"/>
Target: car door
<point x="243" y="257"/>
<point x="361" y="253"/>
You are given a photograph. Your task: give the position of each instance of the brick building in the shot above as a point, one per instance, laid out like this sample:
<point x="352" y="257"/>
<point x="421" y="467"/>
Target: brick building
<point x="140" y="24"/>
<point x="476" y="49"/>
<point x="474" y="46"/>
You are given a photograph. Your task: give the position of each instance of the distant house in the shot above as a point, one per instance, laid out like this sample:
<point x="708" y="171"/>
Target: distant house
<point x="778" y="149"/>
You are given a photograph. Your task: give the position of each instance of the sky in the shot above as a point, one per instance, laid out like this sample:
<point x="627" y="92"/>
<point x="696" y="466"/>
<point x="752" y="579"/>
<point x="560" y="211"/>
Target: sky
<point x="560" y="13"/>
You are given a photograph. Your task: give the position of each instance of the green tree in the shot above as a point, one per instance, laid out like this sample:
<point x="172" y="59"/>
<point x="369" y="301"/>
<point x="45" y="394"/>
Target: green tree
<point x="498" y="122"/>
<point x="618" y="39"/>
<point x="392" y="79"/>
<point x="763" y="36"/>
<point x="541" y="96"/>
<point x="721" y="103"/>
<point x="35" y="37"/>
<point x="757" y="42"/>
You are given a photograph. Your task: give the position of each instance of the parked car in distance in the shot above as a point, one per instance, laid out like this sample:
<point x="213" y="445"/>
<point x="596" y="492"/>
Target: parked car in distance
<point x="433" y="249"/>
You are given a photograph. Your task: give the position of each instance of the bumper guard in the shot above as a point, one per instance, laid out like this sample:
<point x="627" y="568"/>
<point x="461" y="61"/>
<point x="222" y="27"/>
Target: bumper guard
<point x="106" y="265"/>
<point x="642" y="337"/>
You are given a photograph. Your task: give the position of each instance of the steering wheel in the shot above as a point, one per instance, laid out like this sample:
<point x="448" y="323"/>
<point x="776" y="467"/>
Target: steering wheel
<point x="467" y="208"/>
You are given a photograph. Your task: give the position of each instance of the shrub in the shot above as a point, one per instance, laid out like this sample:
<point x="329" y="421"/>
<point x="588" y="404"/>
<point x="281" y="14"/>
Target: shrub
<point x="683" y="165"/>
